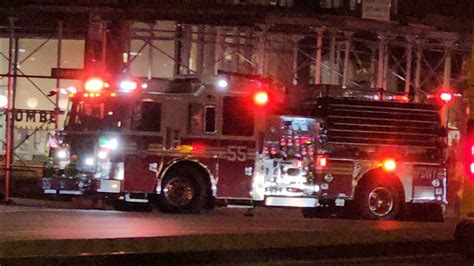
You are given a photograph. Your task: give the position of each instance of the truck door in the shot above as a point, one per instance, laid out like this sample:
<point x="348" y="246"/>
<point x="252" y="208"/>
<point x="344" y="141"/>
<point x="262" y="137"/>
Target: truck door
<point x="147" y="128"/>
<point x="238" y="149"/>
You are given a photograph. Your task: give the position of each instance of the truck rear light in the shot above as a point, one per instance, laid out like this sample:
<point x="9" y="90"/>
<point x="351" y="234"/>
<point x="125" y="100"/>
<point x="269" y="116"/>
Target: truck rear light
<point x="260" y="98"/>
<point x="321" y="161"/>
<point x="388" y="165"/>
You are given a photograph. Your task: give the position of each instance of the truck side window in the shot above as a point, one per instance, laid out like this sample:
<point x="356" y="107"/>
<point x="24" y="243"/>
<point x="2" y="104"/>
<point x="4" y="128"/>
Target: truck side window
<point x="195" y="118"/>
<point x="210" y="123"/>
<point x="149" y="114"/>
<point x="238" y="120"/>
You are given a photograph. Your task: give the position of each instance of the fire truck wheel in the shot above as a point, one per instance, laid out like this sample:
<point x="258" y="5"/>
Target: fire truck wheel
<point x="183" y="191"/>
<point x="379" y="201"/>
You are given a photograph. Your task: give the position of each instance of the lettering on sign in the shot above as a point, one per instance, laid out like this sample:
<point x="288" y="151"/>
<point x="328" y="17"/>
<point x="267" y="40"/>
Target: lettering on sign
<point x="41" y="116"/>
<point x="426" y="172"/>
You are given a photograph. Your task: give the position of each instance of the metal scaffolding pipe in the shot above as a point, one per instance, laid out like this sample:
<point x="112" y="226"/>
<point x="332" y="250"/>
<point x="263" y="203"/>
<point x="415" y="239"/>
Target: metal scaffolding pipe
<point x="409" y="53"/>
<point x="9" y="113"/>
<point x="380" y="66"/>
<point x="386" y="67"/>
<point x="186" y="49"/>
<point x="150" y="52"/>
<point x="296" y="40"/>
<point x="419" y="55"/>
<point x="261" y="51"/>
<point x="235" y="49"/>
<point x="319" y="49"/>
<point x="447" y="66"/>
<point x="58" y="80"/>
<point x="332" y="57"/>
<point x="218" y="50"/>
<point x="347" y="58"/>
<point x="200" y="50"/>
<point x="373" y="62"/>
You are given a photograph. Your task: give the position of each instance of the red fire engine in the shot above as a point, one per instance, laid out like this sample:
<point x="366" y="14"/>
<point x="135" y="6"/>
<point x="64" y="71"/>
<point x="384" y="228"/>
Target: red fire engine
<point x="187" y="145"/>
<point x="380" y="156"/>
<point x="183" y="144"/>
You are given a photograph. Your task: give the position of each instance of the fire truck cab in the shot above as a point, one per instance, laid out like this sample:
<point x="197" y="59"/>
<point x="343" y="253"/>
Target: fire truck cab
<point x="183" y="145"/>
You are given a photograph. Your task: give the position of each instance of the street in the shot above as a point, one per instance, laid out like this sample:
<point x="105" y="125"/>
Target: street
<point x="30" y="232"/>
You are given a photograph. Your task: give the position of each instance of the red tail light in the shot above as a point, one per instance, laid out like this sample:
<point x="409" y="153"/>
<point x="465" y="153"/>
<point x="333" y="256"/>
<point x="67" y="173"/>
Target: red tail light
<point x="260" y="98"/>
<point x="321" y="162"/>
<point x="388" y="165"/>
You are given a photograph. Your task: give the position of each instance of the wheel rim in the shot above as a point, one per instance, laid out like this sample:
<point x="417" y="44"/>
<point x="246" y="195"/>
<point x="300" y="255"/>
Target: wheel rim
<point x="179" y="191"/>
<point x="380" y="201"/>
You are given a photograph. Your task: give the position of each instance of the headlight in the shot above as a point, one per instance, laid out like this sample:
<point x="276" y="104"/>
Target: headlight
<point x="89" y="161"/>
<point x="62" y="154"/>
<point x="112" y="144"/>
<point x="102" y="155"/>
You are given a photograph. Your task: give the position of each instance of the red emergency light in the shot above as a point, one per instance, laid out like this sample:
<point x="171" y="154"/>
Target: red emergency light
<point x="260" y="98"/>
<point x="446" y="97"/>
<point x="469" y="157"/>
<point x="321" y="161"/>
<point x="95" y="85"/>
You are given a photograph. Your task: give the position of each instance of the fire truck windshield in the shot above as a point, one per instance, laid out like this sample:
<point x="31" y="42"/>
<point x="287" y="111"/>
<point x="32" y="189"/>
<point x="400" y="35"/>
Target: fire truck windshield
<point x="111" y="114"/>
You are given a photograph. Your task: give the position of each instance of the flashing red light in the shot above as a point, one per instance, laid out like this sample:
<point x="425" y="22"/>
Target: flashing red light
<point x="128" y="86"/>
<point x="260" y="98"/>
<point x="197" y="148"/>
<point x="388" y="165"/>
<point x="321" y="161"/>
<point x="113" y="94"/>
<point x="469" y="157"/>
<point x="446" y="97"/>
<point x="94" y="85"/>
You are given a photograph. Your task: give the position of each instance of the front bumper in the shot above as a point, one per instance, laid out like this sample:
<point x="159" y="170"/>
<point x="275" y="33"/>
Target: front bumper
<point x="68" y="186"/>
<point x="291" y="202"/>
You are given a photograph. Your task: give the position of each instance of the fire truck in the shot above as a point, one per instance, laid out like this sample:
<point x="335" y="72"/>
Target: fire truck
<point x="378" y="156"/>
<point x="188" y="145"/>
<point x="184" y="145"/>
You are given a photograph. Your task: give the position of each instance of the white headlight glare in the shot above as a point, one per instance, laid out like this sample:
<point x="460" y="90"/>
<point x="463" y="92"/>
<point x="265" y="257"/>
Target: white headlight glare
<point x="112" y="144"/>
<point x="89" y="161"/>
<point x="61" y="154"/>
<point x="102" y="155"/>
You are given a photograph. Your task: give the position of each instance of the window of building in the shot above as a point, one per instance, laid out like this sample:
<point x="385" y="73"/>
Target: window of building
<point x="238" y="118"/>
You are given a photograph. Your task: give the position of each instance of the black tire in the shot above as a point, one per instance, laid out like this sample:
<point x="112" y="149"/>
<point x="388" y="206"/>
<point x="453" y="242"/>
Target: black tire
<point x="378" y="200"/>
<point x="316" y="212"/>
<point x="183" y="190"/>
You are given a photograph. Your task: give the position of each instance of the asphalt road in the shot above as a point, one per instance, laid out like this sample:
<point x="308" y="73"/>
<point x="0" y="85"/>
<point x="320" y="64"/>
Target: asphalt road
<point x="29" y="223"/>
<point x="40" y="232"/>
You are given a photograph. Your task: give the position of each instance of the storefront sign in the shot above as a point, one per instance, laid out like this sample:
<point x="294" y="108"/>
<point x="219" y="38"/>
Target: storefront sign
<point x="40" y="116"/>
